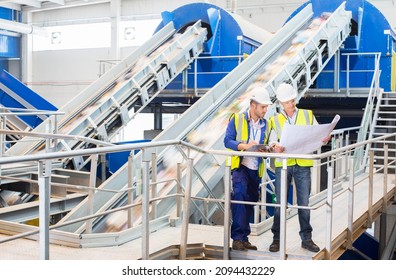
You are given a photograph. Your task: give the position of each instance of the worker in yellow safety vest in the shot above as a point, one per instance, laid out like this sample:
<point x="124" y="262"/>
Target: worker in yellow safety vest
<point x="297" y="169"/>
<point x="247" y="131"/>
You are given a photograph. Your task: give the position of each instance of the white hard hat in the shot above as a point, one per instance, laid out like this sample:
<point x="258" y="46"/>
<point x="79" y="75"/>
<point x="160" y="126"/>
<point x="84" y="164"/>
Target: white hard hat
<point x="285" y="92"/>
<point x="260" y="95"/>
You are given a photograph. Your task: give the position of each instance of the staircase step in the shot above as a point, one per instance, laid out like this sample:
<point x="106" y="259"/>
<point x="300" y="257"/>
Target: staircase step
<point x="380" y="133"/>
<point x="387" y="141"/>
<point x="382" y="149"/>
<point x="379" y="166"/>
<point x="386" y="119"/>
<point x="387" y="112"/>
<point x="385" y="126"/>
<point x="379" y="159"/>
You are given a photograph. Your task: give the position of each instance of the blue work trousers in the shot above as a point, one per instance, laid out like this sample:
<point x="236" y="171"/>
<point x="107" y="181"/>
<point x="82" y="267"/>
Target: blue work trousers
<point x="245" y="187"/>
<point x="302" y="179"/>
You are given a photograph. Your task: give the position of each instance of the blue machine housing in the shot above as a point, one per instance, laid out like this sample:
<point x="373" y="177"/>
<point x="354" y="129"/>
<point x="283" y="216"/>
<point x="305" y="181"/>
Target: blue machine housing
<point x="9" y="45"/>
<point x="18" y="95"/>
<point x="371" y="33"/>
<point x="228" y="35"/>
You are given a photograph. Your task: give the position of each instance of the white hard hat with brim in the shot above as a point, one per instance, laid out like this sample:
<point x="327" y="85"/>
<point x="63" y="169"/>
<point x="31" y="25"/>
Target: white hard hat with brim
<point x="285" y="92"/>
<point x="260" y="95"/>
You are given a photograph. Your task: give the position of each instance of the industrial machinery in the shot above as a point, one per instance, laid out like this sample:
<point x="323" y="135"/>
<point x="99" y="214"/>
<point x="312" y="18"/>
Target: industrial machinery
<point x="312" y="52"/>
<point x="280" y="59"/>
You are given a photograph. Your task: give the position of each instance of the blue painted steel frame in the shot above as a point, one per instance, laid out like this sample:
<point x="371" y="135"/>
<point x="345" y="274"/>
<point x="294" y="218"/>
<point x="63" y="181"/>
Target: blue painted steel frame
<point x="370" y="26"/>
<point x="225" y="38"/>
<point x="9" y="45"/>
<point x="26" y="94"/>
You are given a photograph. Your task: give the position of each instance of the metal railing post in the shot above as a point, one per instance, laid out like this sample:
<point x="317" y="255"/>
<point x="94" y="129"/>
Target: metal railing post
<point x="329" y="211"/>
<point x="347" y="77"/>
<point x="227" y="210"/>
<point x="394" y="179"/>
<point x="370" y="190"/>
<point x="196" y="77"/>
<point x="44" y="209"/>
<point x="154" y="186"/>
<point x="178" y="190"/>
<point x="263" y="209"/>
<point x="205" y="210"/>
<point x="130" y="199"/>
<point x="92" y="185"/>
<point x="283" y="206"/>
<point x="3" y="125"/>
<point x="145" y="211"/>
<point x="383" y="216"/>
<point x="385" y="187"/>
<point x="186" y="209"/>
<point x="351" y="195"/>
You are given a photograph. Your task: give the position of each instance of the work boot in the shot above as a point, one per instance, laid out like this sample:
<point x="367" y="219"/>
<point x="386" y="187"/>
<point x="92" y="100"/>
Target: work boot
<point x="249" y="245"/>
<point x="238" y="245"/>
<point x="310" y="246"/>
<point x="274" y="247"/>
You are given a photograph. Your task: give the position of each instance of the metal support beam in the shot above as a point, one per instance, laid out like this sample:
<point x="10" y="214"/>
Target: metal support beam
<point x="157" y="117"/>
<point x="186" y="209"/>
<point x="91" y="191"/>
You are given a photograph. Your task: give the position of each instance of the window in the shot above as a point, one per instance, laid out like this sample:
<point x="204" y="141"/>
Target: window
<point x="135" y="33"/>
<point x="95" y="35"/>
<point x="78" y="36"/>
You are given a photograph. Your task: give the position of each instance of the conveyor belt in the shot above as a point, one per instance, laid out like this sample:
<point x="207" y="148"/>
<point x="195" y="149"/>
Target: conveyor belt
<point x="297" y="53"/>
<point x="102" y="109"/>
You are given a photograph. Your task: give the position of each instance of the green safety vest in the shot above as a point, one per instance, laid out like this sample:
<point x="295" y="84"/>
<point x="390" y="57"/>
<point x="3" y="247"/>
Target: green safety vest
<point x="304" y="117"/>
<point x="242" y="136"/>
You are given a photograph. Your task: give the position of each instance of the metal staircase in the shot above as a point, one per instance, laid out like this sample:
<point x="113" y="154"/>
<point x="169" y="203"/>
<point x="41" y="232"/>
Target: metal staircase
<point x="385" y="123"/>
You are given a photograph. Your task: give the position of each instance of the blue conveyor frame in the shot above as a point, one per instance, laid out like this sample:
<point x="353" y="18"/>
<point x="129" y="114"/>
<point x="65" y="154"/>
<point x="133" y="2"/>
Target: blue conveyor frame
<point x="15" y="94"/>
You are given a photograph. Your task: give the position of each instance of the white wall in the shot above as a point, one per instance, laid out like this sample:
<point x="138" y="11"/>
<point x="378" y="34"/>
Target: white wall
<point x="60" y="75"/>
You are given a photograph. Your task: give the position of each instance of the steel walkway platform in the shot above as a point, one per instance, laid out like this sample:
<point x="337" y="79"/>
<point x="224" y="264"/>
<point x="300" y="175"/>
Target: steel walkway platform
<point x="205" y="241"/>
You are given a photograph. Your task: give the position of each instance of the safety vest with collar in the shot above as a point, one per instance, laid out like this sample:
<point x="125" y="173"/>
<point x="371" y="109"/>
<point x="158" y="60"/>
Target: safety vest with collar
<point x="242" y="135"/>
<point x="304" y="117"/>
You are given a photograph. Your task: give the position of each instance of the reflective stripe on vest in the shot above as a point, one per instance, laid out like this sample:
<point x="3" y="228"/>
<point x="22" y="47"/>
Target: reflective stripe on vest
<point x="242" y="135"/>
<point x="304" y="117"/>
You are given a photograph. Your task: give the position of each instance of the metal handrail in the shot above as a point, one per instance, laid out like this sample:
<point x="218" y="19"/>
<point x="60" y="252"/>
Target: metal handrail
<point x="150" y="145"/>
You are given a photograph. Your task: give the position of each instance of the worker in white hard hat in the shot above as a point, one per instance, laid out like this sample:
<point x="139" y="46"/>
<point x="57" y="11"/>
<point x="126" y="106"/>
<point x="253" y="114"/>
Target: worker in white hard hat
<point x="297" y="169"/>
<point x="244" y="132"/>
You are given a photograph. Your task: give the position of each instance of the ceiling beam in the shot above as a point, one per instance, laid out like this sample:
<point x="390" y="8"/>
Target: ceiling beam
<point x="46" y="6"/>
<point x="33" y="3"/>
<point x="11" y="6"/>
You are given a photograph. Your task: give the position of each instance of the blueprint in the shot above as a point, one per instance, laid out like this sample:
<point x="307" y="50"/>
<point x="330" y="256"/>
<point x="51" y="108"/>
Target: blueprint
<point x="305" y="139"/>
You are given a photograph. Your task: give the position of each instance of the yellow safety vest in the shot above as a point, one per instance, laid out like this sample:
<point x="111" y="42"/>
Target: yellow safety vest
<point x="242" y="136"/>
<point x="304" y="117"/>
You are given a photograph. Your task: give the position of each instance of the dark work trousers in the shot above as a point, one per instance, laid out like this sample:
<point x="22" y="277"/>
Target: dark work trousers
<point x="245" y="187"/>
